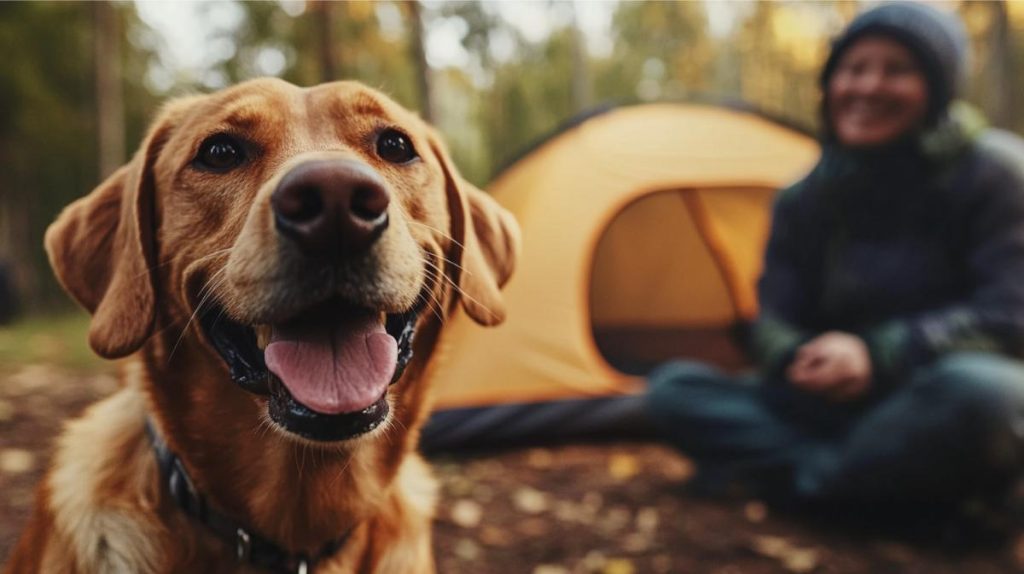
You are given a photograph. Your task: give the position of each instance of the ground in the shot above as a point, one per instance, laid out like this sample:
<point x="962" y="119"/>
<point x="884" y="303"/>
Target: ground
<point x="607" y="508"/>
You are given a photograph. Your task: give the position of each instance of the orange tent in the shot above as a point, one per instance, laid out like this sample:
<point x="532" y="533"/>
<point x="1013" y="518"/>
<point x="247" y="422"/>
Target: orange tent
<point x="643" y="230"/>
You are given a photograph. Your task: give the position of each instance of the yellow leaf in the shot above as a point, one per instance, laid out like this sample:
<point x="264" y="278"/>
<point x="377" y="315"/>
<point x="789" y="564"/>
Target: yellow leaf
<point x="618" y="566"/>
<point x="623" y="466"/>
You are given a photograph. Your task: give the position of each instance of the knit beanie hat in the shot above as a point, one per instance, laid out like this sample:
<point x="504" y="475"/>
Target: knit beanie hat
<point x="936" y="38"/>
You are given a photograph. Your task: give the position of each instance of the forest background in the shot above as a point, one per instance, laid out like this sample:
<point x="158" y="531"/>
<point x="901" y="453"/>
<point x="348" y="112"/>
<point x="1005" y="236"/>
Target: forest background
<point x="80" y="80"/>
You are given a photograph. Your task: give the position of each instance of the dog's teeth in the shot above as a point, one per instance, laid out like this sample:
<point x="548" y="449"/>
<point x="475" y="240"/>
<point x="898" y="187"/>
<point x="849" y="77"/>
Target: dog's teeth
<point x="263" y="336"/>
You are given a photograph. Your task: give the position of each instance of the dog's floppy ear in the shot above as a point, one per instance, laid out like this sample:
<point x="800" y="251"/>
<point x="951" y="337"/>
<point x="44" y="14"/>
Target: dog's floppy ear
<point x="487" y="244"/>
<point x="101" y="248"/>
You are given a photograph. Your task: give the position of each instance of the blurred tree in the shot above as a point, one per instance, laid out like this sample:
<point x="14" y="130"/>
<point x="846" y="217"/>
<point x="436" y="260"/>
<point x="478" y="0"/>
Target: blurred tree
<point x="46" y="95"/>
<point x="109" y="89"/>
<point x="581" y="89"/>
<point x="525" y="89"/>
<point x="531" y="96"/>
<point x="61" y="86"/>
<point x="376" y="49"/>
<point x="1015" y="80"/>
<point x="56" y="93"/>
<point x="417" y="52"/>
<point x="662" y="51"/>
<point x="989" y="85"/>
<point x="467" y="92"/>
<point x="322" y="12"/>
<point x="483" y="28"/>
<point x="782" y="46"/>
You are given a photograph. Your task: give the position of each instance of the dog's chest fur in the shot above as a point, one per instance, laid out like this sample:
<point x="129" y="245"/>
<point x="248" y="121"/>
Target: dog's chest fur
<point x="110" y="510"/>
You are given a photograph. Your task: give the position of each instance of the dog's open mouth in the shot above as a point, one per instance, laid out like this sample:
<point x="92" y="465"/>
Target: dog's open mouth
<point x="326" y="371"/>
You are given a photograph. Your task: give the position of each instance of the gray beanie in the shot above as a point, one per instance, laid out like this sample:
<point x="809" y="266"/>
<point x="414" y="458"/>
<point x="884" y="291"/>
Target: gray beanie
<point x="936" y="38"/>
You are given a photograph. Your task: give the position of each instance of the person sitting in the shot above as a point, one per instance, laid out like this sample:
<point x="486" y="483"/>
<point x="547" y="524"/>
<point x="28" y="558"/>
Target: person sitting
<point x="891" y="321"/>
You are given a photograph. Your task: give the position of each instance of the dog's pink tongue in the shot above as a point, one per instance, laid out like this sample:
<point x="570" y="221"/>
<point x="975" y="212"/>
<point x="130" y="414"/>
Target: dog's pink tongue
<point x="334" y="366"/>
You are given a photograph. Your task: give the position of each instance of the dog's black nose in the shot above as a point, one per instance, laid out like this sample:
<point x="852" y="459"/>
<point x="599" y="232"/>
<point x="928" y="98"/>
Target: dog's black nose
<point x="331" y="207"/>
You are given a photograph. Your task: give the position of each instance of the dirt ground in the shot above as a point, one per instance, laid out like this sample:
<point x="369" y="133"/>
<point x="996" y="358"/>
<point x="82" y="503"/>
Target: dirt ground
<point x="608" y="509"/>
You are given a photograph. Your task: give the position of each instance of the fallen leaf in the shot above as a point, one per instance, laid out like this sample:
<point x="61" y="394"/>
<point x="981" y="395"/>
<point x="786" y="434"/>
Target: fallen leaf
<point x="540" y="458"/>
<point x="530" y="501"/>
<point x="802" y="561"/>
<point x="467" y="549"/>
<point x="771" y="546"/>
<point x="623" y="466"/>
<point x="617" y="518"/>
<point x="550" y="569"/>
<point x="647" y="520"/>
<point x="794" y="559"/>
<point x="16" y="461"/>
<point x="755" y="511"/>
<point x="619" y="566"/>
<point x="568" y="511"/>
<point x="594" y="561"/>
<point x="467" y="513"/>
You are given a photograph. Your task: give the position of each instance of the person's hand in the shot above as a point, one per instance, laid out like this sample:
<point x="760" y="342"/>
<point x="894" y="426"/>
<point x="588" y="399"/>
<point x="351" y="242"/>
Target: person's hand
<point x="835" y="365"/>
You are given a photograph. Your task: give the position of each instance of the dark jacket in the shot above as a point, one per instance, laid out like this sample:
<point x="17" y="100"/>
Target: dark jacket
<point x="917" y="248"/>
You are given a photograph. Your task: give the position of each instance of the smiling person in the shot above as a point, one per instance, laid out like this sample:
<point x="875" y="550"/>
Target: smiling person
<point x="892" y="298"/>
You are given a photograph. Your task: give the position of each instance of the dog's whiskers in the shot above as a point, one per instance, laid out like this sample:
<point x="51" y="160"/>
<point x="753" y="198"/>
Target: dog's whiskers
<point x="433" y="296"/>
<point x="214" y="282"/>
<point x="437" y="231"/>
<point x="430" y="298"/>
<point x="455" y="265"/>
<point x="459" y="290"/>
<point x="169" y="261"/>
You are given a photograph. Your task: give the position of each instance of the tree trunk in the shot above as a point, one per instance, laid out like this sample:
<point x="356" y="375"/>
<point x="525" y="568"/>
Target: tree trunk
<point x="324" y="17"/>
<point x="1000" y="66"/>
<point x="580" y="68"/>
<point x="417" y="39"/>
<point x="109" y="92"/>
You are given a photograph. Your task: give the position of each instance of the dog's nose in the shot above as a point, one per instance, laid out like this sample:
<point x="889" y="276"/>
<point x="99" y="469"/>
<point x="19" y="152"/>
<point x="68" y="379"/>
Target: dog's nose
<point x="331" y="207"/>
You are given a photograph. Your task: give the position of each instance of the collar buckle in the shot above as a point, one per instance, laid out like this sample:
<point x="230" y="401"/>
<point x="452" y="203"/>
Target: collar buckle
<point x="243" y="545"/>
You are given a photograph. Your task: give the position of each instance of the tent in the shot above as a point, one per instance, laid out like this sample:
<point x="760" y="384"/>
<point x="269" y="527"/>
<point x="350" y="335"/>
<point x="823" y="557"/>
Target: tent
<point x="643" y="230"/>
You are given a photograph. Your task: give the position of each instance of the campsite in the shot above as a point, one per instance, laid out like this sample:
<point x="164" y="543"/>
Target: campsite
<point x="639" y="245"/>
<point x="640" y="146"/>
<point x="580" y="328"/>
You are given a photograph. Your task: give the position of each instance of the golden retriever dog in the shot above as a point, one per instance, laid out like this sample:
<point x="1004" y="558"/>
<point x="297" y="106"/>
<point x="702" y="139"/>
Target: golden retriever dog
<point x="277" y="261"/>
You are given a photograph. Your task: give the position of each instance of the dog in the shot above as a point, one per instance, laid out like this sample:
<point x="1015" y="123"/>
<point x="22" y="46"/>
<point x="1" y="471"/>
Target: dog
<point x="277" y="263"/>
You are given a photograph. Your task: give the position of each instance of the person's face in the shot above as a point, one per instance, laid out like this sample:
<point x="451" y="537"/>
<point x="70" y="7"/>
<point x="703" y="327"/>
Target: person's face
<point x="876" y="94"/>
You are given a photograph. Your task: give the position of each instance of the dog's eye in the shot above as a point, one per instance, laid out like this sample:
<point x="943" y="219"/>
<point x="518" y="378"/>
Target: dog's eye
<point x="219" y="153"/>
<point x="395" y="147"/>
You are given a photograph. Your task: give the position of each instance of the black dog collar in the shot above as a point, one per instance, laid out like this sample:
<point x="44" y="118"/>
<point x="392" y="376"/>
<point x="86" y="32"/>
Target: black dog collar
<point x="249" y="546"/>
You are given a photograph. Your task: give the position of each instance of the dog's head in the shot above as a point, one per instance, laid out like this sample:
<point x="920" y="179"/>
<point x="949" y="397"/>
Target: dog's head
<point x="299" y="234"/>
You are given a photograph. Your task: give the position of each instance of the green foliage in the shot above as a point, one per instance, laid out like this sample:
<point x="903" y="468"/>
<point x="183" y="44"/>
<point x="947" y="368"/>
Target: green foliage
<point x="662" y="50"/>
<point x="360" y="49"/>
